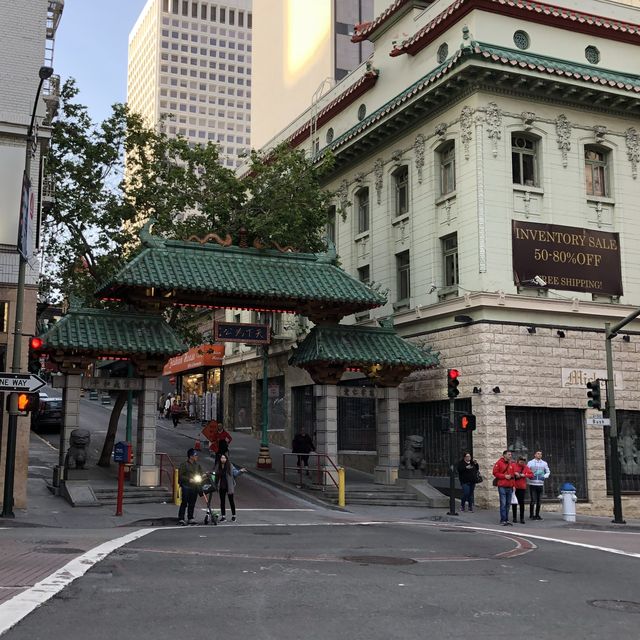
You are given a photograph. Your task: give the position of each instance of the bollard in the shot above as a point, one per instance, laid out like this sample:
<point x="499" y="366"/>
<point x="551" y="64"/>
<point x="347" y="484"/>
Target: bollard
<point x="569" y="499"/>
<point x="341" y="487"/>
<point x="177" y="497"/>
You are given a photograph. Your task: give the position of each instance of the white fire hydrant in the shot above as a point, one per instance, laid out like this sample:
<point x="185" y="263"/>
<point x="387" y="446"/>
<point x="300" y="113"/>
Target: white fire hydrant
<point x="569" y="499"/>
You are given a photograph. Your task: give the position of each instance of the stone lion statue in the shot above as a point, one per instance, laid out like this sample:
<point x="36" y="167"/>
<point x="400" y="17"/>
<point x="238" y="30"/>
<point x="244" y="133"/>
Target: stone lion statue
<point x="412" y="457"/>
<point x="79" y="440"/>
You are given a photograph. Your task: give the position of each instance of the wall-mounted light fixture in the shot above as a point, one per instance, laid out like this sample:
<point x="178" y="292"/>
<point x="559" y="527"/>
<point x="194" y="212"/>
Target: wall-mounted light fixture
<point x="560" y="333"/>
<point x="626" y="337"/>
<point x="465" y="319"/>
<point x="477" y="390"/>
<point x="496" y="389"/>
<point x="531" y="329"/>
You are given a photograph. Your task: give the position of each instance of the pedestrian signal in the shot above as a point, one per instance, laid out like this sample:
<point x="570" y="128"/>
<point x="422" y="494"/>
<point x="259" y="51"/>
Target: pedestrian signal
<point x="466" y="422"/>
<point x="22" y="403"/>
<point x="453" y="382"/>
<point x="595" y="398"/>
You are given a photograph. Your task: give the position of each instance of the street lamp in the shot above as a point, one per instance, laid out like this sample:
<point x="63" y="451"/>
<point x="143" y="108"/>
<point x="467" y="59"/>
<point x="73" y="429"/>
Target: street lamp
<point x="44" y="73"/>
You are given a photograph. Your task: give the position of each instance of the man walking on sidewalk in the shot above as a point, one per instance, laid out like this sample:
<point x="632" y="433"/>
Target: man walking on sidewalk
<point x="541" y="472"/>
<point x="190" y="476"/>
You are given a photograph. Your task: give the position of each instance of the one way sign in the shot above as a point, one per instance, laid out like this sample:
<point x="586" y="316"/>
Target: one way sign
<point x="26" y="382"/>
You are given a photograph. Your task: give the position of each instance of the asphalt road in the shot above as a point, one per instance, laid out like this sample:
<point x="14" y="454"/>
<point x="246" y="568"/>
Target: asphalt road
<point x="298" y="575"/>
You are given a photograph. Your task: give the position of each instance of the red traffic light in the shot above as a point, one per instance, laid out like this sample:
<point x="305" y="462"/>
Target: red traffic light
<point x="453" y="374"/>
<point x="35" y="343"/>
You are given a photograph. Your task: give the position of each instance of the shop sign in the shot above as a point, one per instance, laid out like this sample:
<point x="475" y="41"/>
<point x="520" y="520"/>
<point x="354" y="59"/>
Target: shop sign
<point x="359" y="392"/>
<point x="242" y="332"/>
<point x="578" y="378"/>
<point x="567" y="258"/>
<point x="112" y="384"/>
<point x="205" y="355"/>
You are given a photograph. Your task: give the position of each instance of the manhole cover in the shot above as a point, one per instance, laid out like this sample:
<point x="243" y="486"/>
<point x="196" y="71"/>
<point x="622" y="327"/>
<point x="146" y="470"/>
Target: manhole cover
<point x="271" y="533"/>
<point x="616" y="605"/>
<point x="61" y="550"/>
<point x="390" y="560"/>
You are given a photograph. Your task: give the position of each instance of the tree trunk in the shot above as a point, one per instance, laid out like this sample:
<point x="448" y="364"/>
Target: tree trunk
<point x="109" y="439"/>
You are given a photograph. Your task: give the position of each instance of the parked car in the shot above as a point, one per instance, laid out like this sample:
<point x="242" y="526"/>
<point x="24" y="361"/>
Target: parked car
<point x="48" y="416"/>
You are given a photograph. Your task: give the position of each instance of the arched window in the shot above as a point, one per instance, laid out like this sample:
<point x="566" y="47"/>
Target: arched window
<point x="362" y="209"/>
<point x="401" y="184"/>
<point x="596" y="171"/>
<point x="524" y="160"/>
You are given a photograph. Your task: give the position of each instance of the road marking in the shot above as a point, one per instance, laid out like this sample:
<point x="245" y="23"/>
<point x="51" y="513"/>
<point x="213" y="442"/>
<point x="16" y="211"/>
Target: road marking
<point x="245" y="510"/>
<point x="45" y="441"/>
<point x="21" y="605"/>
<point x="571" y="543"/>
<point x="624" y="533"/>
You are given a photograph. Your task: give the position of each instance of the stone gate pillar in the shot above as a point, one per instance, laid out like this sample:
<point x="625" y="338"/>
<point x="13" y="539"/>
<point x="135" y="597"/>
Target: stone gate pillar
<point x="146" y="473"/>
<point x="71" y="402"/>
<point x="387" y="437"/>
<point x="326" y="397"/>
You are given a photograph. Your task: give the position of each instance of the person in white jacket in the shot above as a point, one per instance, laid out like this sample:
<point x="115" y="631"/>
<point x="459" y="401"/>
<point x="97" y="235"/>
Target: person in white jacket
<point x="541" y="472"/>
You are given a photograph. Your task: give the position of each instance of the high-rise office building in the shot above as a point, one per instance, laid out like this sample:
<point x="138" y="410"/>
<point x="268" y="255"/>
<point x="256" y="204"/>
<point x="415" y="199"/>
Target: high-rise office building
<point x="190" y="62"/>
<point x="303" y="48"/>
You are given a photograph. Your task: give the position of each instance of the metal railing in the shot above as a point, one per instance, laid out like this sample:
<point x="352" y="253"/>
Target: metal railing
<point x="321" y="468"/>
<point x="167" y="469"/>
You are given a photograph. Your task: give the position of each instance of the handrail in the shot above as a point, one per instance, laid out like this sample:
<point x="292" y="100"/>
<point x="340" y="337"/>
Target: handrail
<point x="169" y="469"/>
<point x="320" y="471"/>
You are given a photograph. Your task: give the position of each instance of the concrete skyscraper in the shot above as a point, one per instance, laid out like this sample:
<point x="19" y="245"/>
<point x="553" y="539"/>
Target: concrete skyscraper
<point x="191" y="63"/>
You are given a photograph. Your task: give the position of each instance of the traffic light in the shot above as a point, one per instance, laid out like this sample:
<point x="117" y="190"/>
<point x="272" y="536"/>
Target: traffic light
<point x="35" y="344"/>
<point x="595" y="399"/>
<point x="452" y="383"/>
<point x="22" y="403"/>
<point x="466" y="422"/>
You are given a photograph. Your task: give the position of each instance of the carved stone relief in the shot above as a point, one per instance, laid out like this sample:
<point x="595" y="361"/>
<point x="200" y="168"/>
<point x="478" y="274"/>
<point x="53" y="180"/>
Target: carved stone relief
<point x="633" y="149"/>
<point x="494" y="126"/>
<point x="418" y="147"/>
<point x="563" y="133"/>
<point x="599" y="132"/>
<point x="441" y="131"/>
<point x="466" y="126"/>
<point x="378" y="172"/>
<point x="528" y="118"/>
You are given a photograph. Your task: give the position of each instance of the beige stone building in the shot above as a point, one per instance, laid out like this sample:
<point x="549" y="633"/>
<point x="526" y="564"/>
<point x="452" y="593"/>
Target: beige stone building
<point x="487" y="176"/>
<point x="27" y="35"/>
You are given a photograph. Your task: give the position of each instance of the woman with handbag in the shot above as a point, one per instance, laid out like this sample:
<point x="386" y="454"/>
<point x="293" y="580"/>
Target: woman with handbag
<point x="522" y="472"/>
<point x="468" y="472"/>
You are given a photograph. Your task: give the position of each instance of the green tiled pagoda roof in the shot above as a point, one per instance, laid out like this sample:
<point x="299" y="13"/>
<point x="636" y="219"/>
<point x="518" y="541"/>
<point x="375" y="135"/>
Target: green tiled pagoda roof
<point x="354" y="346"/>
<point x="113" y="333"/>
<point x="211" y="275"/>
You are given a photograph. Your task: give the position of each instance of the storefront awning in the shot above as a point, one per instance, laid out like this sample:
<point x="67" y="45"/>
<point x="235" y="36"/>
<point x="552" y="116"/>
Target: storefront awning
<point x="204" y="355"/>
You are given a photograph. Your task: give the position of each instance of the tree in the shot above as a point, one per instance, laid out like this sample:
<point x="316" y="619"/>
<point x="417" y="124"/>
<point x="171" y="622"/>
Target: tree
<point x="111" y="177"/>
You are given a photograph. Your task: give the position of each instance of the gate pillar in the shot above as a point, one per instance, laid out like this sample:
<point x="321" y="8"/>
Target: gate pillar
<point x="327" y="423"/>
<point x="146" y="473"/>
<point x="71" y="402"/>
<point x="387" y="437"/>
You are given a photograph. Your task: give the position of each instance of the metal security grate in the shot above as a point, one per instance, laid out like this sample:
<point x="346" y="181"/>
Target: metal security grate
<point x="304" y="409"/>
<point x="423" y="419"/>
<point x="356" y="424"/>
<point x="559" y="434"/>
<point x="628" y="449"/>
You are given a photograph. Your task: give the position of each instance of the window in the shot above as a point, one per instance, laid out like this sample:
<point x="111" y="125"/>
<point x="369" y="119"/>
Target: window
<point x="523" y="160"/>
<point x="447" y="157"/>
<point x="330" y="229"/>
<point x="595" y="171"/>
<point x="362" y="207"/>
<point x="450" y="260"/>
<point x="401" y="182"/>
<point x="403" y="276"/>
<point x="364" y="274"/>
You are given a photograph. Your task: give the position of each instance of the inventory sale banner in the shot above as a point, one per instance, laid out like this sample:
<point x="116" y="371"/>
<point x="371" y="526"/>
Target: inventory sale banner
<point x="568" y="258"/>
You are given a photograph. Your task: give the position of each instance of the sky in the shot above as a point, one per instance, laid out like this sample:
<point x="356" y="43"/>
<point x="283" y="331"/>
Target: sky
<point x="91" y="46"/>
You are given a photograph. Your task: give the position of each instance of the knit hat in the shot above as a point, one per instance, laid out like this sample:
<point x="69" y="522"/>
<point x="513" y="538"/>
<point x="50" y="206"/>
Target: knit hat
<point x="191" y="452"/>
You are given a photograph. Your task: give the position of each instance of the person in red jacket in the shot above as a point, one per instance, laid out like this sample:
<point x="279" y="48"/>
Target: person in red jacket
<point x="504" y="473"/>
<point x="220" y="442"/>
<point x="522" y="472"/>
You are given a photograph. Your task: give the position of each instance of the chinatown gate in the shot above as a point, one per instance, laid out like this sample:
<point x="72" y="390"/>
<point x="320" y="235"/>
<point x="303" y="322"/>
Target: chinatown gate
<point x="204" y="274"/>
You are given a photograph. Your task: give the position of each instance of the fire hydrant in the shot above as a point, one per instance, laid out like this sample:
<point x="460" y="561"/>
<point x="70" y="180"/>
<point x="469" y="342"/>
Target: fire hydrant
<point x="569" y="499"/>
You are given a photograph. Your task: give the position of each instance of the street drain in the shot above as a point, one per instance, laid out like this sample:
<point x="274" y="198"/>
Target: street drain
<point x="61" y="550"/>
<point x="623" y="606"/>
<point x="388" y="560"/>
